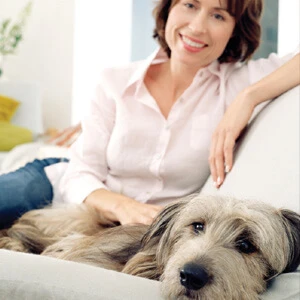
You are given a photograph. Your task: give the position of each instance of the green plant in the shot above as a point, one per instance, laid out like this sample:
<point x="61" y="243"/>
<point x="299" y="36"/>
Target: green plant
<point x="11" y="32"/>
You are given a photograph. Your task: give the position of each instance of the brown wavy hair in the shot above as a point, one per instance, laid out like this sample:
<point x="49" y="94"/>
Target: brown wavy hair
<point x="246" y="35"/>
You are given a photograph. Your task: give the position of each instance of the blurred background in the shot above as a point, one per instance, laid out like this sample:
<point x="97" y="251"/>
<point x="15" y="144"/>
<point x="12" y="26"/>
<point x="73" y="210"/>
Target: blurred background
<point x="67" y="42"/>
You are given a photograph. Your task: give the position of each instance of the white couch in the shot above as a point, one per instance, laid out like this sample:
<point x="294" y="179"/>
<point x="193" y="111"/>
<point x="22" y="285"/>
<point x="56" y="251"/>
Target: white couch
<point x="29" y="113"/>
<point x="266" y="168"/>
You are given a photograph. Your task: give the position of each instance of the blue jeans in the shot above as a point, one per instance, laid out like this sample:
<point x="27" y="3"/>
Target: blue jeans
<point x="25" y="189"/>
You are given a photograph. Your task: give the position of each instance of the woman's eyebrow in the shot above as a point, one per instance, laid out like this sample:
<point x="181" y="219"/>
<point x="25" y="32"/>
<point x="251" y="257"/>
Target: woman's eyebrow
<point x="216" y="8"/>
<point x="221" y="8"/>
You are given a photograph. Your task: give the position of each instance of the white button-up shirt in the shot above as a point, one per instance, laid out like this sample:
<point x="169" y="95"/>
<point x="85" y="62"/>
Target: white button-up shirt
<point x="128" y="146"/>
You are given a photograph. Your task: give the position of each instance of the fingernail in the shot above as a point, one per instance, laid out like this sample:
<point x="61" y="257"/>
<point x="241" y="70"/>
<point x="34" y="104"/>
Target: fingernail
<point x="215" y="184"/>
<point x="227" y="169"/>
<point x="219" y="181"/>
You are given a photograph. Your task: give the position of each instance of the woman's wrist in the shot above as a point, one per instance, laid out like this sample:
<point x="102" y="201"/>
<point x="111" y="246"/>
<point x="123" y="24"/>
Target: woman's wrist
<point x="250" y="97"/>
<point x="106" y="203"/>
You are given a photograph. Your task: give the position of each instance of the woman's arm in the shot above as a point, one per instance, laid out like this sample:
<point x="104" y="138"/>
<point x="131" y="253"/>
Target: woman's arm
<point x="84" y="180"/>
<point x="281" y="80"/>
<point x="239" y="113"/>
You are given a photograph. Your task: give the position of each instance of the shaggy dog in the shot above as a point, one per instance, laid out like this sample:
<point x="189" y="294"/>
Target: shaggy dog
<point x="200" y="247"/>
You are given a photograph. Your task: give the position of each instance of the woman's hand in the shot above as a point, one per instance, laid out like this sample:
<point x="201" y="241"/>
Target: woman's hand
<point x="132" y="212"/>
<point x="239" y="112"/>
<point x="66" y="137"/>
<point x="119" y="208"/>
<point x="233" y="122"/>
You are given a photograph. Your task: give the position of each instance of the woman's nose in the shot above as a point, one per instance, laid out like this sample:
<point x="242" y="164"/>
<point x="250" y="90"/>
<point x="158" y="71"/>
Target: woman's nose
<point x="199" y="23"/>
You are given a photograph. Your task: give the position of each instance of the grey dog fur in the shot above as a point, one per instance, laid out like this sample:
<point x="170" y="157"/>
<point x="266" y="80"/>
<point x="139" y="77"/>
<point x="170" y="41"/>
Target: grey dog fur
<point x="161" y="250"/>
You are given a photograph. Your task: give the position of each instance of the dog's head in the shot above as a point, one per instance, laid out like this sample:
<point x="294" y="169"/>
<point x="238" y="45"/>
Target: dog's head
<point x="209" y="247"/>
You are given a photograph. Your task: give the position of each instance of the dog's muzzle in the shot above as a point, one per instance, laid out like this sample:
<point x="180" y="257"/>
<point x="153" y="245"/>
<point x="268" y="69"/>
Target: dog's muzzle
<point x="193" y="276"/>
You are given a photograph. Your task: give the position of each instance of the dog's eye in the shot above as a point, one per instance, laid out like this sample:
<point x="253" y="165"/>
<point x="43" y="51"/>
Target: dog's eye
<point x="245" y="246"/>
<point x="198" y="227"/>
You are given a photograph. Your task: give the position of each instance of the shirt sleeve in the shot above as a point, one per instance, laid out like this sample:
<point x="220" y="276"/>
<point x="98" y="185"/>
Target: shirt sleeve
<point x="241" y="76"/>
<point x="87" y="169"/>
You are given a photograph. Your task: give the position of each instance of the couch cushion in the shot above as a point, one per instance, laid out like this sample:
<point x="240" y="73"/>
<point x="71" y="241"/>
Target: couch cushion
<point x="12" y="135"/>
<point x="266" y="163"/>
<point x="34" y="277"/>
<point x="8" y="107"/>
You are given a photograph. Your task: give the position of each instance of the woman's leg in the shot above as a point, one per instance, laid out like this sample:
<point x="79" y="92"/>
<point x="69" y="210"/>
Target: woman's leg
<point x="25" y="189"/>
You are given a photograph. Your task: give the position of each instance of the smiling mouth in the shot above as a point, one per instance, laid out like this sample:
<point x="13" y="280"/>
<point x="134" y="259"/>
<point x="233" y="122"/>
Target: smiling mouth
<point x="191" y="43"/>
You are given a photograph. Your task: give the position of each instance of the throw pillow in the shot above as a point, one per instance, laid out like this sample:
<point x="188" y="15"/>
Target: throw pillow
<point x="12" y="135"/>
<point x="8" y="107"/>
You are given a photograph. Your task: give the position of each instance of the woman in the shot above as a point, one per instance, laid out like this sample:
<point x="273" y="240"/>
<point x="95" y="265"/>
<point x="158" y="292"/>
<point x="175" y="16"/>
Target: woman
<point x="157" y="127"/>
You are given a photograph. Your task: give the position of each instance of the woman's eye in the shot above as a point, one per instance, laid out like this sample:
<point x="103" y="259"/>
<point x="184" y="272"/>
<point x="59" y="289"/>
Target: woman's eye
<point x="245" y="246"/>
<point x="189" y="5"/>
<point x="219" y="17"/>
<point x="198" y="227"/>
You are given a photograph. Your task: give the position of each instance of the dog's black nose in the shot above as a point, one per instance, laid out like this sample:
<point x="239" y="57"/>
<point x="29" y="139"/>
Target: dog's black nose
<point x="193" y="276"/>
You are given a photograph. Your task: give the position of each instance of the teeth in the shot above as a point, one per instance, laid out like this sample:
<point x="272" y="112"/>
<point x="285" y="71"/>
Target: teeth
<point x="191" y="43"/>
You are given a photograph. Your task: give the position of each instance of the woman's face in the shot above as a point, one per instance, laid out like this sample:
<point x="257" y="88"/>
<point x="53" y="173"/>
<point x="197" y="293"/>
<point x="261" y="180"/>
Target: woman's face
<point x="197" y="31"/>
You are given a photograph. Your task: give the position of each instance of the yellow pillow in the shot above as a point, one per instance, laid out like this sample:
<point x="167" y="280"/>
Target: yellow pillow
<point x="8" y="107"/>
<point x="12" y="135"/>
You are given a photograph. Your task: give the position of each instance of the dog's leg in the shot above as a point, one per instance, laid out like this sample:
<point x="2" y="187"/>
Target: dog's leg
<point x="10" y="243"/>
<point x="109" y="249"/>
<point x="25" y="238"/>
<point x="38" y="229"/>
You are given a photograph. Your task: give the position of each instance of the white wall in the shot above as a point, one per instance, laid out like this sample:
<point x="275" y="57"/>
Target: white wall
<point x="45" y="55"/>
<point x="102" y="39"/>
<point x="65" y="56"/>
<point x="288" y="26"/>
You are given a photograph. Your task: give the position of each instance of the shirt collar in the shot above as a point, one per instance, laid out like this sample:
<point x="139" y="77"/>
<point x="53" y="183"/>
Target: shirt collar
<point x="212" y="68"/>
<point x="158" y="56"/>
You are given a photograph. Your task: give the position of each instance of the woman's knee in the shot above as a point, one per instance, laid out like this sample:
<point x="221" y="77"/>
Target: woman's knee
<point x="23" y="190"/>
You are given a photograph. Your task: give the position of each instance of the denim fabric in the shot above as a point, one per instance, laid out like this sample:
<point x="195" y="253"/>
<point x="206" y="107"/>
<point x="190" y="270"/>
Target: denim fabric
<point x="25" y="189"/>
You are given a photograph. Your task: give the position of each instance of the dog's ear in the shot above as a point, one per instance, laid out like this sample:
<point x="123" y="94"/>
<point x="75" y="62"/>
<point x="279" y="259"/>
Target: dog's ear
<point x="291" y="221"/>
<point x="149" y="261"/>
<point x="163" y="222"/>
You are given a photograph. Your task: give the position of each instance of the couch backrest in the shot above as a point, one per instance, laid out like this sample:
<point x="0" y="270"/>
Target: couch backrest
<point x="29" y="113"/>
<point x="267" y="157"/>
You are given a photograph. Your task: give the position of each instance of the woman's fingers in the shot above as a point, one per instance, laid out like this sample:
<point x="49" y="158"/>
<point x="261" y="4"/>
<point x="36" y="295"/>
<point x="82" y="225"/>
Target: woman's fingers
<point x="219" y="158"/>
<point x="212" y="162"/>
<point x="228" y="151"/>
<point x="65" y="137"/>
<point x="221" y="155"/>
<point x="216" y="158"/>
<point x="233" y="122"/>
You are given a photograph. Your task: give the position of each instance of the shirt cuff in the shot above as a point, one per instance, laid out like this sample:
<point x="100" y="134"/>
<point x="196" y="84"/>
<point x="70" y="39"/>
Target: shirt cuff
<point x="75" y="190"/>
